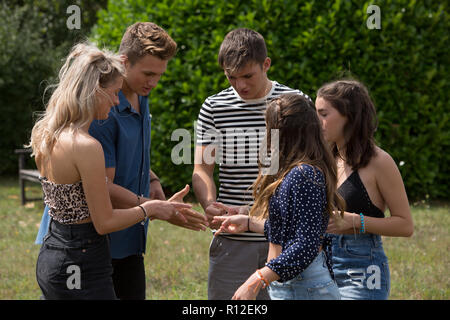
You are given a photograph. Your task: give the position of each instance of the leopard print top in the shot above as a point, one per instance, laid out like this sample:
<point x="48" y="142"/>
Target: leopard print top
<point x="67" y="202"/>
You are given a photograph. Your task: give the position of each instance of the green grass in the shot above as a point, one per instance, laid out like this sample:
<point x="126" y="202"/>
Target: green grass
<point x="176" y="262"/>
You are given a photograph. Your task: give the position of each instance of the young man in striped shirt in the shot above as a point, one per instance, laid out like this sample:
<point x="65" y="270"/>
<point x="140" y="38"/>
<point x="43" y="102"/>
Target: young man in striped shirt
<point x="231" y="123"/>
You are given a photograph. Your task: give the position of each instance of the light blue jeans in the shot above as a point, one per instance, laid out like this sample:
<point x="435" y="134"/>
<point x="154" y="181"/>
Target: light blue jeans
<point x="360" y="267"/>
<point x="43" y="227"/>
<point x="314" y="283"/>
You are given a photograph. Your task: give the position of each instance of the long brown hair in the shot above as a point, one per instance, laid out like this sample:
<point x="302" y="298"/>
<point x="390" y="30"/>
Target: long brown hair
<point x="300" y="142"/>
<point x="352" y="100"/>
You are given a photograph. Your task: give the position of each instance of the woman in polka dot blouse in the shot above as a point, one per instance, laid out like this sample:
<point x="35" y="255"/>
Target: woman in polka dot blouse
<point x="292" y="206"/>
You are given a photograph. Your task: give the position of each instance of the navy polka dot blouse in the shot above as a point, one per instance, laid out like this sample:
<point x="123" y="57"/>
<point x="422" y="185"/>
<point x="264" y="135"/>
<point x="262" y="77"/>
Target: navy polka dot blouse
<point x="297" y="221"/>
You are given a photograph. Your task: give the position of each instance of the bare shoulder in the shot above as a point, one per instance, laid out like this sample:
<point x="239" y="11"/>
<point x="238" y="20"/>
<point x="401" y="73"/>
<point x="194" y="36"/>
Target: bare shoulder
<point x="86" y="143"/>
<point x="383" y="169"/>
<point x="382" y="160"/>
<point x="85" y="147"/>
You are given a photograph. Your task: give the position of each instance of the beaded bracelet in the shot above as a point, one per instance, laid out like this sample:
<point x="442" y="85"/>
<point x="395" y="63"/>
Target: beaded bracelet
<point x="362" y="229"/>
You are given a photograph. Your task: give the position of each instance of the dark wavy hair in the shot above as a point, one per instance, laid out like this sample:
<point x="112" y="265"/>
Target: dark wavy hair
<point x="352" y="100"/>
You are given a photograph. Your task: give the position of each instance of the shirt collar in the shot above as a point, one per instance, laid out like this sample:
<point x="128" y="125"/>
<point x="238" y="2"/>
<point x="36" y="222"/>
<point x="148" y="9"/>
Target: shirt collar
<point x="123" y="102"/>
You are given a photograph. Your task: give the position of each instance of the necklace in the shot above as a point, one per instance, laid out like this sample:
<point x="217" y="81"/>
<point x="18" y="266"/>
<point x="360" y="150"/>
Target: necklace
<point x="340" y="165"/>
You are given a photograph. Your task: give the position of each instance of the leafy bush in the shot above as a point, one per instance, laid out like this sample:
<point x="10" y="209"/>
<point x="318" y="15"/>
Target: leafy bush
<point x="404" y="64"/>
<point x="34" y="38"/>
<point x="22" y="68"/>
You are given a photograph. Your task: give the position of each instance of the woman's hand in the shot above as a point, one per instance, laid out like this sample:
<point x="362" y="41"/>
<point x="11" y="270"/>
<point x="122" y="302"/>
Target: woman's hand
<point x="232" y="210"/>
<point x="249" y="289"/>
<point x="341" y="225"/>
<point x="220" y="209"/>
<point x="165" y="210"/>
<point x="232" y="224"/>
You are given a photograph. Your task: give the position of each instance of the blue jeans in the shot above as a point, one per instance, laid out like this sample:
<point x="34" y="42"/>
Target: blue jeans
<point x="314" y="283"/>
<point x="43" y="227"/>
<point x="360" y="267"/>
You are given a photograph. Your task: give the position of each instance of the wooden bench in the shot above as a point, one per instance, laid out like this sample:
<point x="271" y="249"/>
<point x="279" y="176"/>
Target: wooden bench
<point x="26" y="175"/>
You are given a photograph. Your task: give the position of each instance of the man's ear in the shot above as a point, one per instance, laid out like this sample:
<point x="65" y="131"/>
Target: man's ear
<point x="266" y="64"/>
<point x="125" y="60"/>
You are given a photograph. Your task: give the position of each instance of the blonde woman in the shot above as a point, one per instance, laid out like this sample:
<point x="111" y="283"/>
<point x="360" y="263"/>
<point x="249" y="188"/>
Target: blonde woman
<point x="292" y="207"/>
<point x="74" y="261"/>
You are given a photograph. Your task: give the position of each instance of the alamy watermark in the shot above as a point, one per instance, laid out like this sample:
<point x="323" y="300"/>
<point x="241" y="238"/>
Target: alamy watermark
<point x="374" y="20"/>
<point x="74" y="20"/>
<point x="74" y="280"/>
<point x="358" y="276"/>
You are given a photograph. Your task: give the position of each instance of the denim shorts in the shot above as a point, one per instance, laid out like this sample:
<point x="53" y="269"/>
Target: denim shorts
<point x="360" y="267"/>
<point x="74" y="262"/>
<point x="314" y="283"/>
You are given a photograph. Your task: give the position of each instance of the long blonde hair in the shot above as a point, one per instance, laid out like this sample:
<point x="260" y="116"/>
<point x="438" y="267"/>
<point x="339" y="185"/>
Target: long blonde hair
<point x="72" y="105"/>
<point x="300" y="142"/>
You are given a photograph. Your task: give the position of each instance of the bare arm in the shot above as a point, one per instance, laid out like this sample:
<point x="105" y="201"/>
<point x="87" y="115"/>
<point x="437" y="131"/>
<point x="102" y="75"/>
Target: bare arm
<point x="239" y="223"/>
<point x="121" y="198"/>
<point x="90" y="163"/>
<point x="250" y="288"/>
<point x="391" y="187"/>
<point x="156" y="190"/>
<point x="204" y="185"/>
<point x="203" y="179"/>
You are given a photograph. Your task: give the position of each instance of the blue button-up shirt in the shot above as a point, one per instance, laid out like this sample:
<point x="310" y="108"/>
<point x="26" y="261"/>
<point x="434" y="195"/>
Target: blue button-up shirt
<point x="125" y="138"/>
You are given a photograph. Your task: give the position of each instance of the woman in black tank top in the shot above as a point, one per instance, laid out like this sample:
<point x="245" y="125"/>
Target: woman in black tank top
<point x="369" y="181"/>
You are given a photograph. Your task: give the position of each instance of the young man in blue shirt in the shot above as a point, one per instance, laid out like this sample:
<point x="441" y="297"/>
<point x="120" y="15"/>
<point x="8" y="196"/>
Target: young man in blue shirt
<point x="125" y="137"/>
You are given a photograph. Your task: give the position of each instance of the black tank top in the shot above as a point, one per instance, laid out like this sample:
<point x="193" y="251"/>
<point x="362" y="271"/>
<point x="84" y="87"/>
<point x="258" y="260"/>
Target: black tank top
<point x="356" y="197"/>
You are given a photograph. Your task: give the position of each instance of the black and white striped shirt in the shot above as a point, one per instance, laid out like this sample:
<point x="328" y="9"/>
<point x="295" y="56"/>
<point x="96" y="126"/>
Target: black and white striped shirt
<point x="236" y="128"/>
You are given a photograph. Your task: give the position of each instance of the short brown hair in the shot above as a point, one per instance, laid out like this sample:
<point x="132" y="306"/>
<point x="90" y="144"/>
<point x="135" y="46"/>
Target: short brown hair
<point x="240" y="47"/>
<point x="352" y="100"/>
<point x="144" y="38"/>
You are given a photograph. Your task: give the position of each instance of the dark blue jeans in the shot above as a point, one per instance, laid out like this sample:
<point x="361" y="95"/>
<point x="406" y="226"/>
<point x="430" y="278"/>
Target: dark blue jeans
<point x="75" y="263"/>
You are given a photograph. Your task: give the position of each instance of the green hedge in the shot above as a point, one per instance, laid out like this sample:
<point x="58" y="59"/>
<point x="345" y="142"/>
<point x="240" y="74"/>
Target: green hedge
<point x="404" y="64"/>
<point x="22" y="68"/>
<point x="34" y="39"/>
